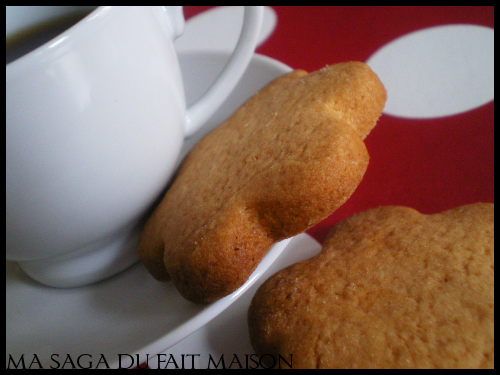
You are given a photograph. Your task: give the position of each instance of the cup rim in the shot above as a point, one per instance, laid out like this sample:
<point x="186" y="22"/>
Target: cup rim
<point x="42" y="49"/>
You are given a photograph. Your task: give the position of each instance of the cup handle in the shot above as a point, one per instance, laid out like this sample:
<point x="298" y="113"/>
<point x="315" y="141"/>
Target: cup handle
<point x="200" y="111"/>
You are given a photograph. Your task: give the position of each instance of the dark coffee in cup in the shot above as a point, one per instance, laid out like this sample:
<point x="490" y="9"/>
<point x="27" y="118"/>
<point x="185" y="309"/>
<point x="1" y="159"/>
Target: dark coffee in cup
<point x="36" y="35"/>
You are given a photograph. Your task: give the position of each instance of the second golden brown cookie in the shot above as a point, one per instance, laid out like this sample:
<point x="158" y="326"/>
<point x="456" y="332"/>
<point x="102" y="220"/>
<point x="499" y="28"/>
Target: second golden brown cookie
<point x="288" y="158"/>
<point x="391" y="288"/>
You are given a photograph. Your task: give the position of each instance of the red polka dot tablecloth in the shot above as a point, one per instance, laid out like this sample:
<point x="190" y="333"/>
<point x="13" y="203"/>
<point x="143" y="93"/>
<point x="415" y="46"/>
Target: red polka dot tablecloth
<point x="433" y="147"/>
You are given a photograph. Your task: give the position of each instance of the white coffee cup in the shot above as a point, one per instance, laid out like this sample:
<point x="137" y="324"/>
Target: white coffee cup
<point x="95" y="121"/>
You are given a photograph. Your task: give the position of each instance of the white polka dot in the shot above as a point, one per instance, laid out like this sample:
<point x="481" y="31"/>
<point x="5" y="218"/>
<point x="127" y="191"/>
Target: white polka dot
<point x="438" y="71"/>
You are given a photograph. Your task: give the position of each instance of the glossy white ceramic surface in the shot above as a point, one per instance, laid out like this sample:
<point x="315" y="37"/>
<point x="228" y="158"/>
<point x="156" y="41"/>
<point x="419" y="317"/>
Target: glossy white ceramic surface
<point x="130" y="313"/>
<point x="95" y="123"/>
<point x="217" y="29"/>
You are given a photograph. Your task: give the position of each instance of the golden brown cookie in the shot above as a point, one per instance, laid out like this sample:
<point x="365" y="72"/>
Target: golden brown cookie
<point x="285" y="160"/>
<point x="391" y="288"/>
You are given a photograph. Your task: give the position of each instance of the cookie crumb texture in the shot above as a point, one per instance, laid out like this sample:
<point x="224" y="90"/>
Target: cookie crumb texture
<point x="391" y="288"/>
<point x="284" y="161"/>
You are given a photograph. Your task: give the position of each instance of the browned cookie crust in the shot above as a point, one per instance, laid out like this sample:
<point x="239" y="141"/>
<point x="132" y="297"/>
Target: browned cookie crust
<point x="288" y="158"/>
<point x="391" y="288"/>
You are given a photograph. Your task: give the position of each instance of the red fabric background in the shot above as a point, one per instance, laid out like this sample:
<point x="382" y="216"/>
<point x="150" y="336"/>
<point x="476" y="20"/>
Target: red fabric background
<point x="430" y="165"/>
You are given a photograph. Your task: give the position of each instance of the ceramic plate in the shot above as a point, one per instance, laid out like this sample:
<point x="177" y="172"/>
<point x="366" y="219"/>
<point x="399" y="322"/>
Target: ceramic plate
<point x="131" y="315"/>
<point x="225" y="342"/>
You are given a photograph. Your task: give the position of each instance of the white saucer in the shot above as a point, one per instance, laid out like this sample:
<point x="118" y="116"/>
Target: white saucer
<point x="130" y="314"/>
<point x="227" y="336"/>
